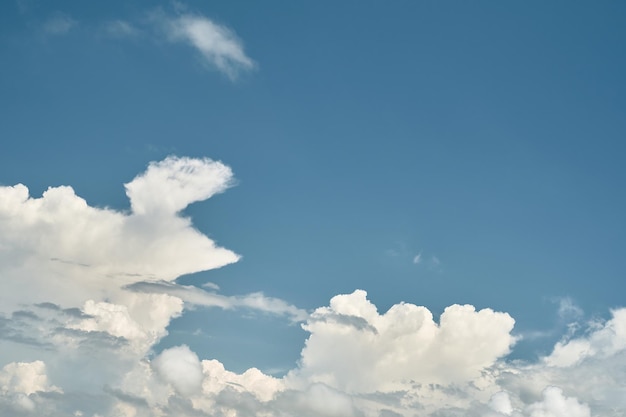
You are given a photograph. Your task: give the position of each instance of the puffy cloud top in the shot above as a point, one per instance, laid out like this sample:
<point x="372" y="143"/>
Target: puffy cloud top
<point x="373" y="352"/>
<point x="170" y="185"/>
<point x="74" y="251"/>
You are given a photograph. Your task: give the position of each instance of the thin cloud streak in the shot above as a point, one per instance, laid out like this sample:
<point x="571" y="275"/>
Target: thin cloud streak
<point x="198" y="297"/>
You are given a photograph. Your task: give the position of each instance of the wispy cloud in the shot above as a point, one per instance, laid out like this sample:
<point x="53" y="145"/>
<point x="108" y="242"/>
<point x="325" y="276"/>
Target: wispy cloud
<point x="568" y="309"/>
<point x="198" y="297"/>
<point x="121" y="29"/>
<point x="218" y="45"/>
<point x="59" y="24"/>
<point x="417" y="258"/>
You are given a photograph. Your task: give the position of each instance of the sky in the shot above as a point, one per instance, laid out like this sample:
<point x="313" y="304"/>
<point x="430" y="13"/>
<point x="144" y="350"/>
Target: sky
<point x="315" y="209"/>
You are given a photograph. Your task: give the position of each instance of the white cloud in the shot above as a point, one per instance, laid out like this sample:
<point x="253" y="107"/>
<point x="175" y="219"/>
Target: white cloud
<point x="555" y="404"/>
<point x="404" y="344"/>
<point x="77" y="252"/>
<point x="169" y="186"/>
<point x="25" y="378"/>
<point x="217" y="379"/>
<point x="568" y="310"/>
<point x="218" y="45"/>
<point x="605" y="341"/>
<point x="321" y="400"/>
<point x="59" y="24"/>
<point x="139" y="319"/>
<point x="195" y="296"/>
<point x="105" y="284"/>
<point x="121" y="29"/>
<point x="417" y="258"/>
<point x="180" y="367"/>
<point x="501" y="403"/>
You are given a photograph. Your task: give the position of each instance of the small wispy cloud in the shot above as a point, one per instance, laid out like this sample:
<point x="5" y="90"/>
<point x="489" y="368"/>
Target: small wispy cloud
<point x="120" y="29"/>
<point x="211" y="286"/>
<point x="218" y="46"/>
<point x="568" y="310"/>
<point x="59" y="24"/>
<point x="199" y="297"/>
<point x="417" y="258"/>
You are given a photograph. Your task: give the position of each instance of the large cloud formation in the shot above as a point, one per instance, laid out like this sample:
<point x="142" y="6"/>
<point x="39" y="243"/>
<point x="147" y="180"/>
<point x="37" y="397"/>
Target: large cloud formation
<point x="87" y="292"/>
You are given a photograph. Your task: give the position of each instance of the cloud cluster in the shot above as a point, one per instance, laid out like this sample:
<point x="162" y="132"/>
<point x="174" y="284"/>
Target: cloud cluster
<point x="86" y="293"/>
<point x="60" y="243"/>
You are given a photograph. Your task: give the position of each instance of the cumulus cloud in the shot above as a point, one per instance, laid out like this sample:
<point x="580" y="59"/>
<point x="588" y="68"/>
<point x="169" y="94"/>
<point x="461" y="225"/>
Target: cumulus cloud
<point x="169" y="186"/>
<point x="555" y="404"/>
<point x="606" y="341"/>
<point x="75" y="251"/>
<point x="25" y="378"/>
<point x="83" y="342"/>
<point x="180" y="367"/>
<point x="404" y="344"/>
<point x="218" y="45"/>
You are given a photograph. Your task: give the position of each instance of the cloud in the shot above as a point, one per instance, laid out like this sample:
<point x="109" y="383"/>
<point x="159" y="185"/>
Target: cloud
<point x="605" y="341"/>
<point x="218" y="45"/>
<point x="568" y="309"/>
<point x="59" y="24"/>
<point x="198" y="297"/>
<point x="78" y="252"/>
<point x="121" y="29"/>
<point x="555" y="404"/>
<point x="25" y="378"/>
<point x="417" y="258"/>
<point x="180" y="367"/>
<point x="404" y="344"/>
<point x="80" y="259"/>
<point x="168" y="186"/>
<point x="83" y="343"/>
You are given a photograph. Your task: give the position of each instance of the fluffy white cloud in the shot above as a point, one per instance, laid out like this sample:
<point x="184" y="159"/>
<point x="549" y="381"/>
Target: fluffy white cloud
<point x="501" y="403"/>
<point x="590" y="367"/>
<point x="106" y="294"/>
<point x="77" y="252"/>
<point x="25" y="378"/>
<point x="605" y="341"/>
<point x="217" y="378"/>
<point x="169" y="186"/>
<point x="180" y="367"/>
<point x="555" y="404"/>
<point x="218" y="45"/>
<point x="403" y="345"/>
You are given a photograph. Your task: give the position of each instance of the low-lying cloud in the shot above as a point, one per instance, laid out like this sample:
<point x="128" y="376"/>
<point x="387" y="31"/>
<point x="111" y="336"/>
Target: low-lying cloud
<point x="86" y="293"/>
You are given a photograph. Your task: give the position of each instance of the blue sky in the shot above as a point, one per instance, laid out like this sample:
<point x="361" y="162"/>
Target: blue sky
<point x="432" y="153"/>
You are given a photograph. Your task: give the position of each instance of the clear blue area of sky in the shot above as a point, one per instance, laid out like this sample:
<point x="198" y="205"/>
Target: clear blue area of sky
<point x="489" y="135"/>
